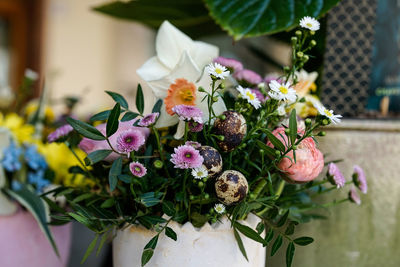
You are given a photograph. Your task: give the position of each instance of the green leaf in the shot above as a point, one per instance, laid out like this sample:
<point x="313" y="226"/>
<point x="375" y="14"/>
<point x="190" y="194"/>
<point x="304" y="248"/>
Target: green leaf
<point x="129" y="116"/>
<point x="150" y="220"/>
<point x="113" y="120"/>
<point x="97" y="156"/>
<point x="126" y="178"/>
<point x="82" y="197"/>
<point x="101" y="116"/>
<point x="275" y="141"/>
<point x="150" y="199"/>
<point x="140" y="99"/>
<point x="146" y="255"/>
<point x="89" y="250"/>
<point x="260" y="227"/>
<point x="269" y="150"/>
<point x="157" y="106"/>
<point x="86" y="130"/>
<point x="283" y="219"/>
<point x="303" y="241"/>
<point x="293" y="127"/>
<point x="101" y="244"/>
<point x="119" y="99"/>
<point x="108" y="203"/>
<point x="289" y="254"/>
<point x="269" y="235"/>
<point x="170" y="233"/>
<point x="277" y="244"/>
<point x="115" y="170"/>
<point x="250" y="233"/>
<point x="152" y="243"/>
<point x="36" y="207"/>
<point x="240" y="244"/>
<point x="290" y="229"/>
<point x="258" y="17"/>
<point x="168" y="208"/>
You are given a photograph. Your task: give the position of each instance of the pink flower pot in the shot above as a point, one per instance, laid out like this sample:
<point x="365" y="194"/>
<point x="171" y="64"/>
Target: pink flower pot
<point x="22" y="243"/>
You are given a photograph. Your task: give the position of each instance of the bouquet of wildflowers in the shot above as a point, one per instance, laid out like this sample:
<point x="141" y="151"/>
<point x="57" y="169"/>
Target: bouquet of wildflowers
<point x="30" y="166"/>
<point x="220" y="141"/>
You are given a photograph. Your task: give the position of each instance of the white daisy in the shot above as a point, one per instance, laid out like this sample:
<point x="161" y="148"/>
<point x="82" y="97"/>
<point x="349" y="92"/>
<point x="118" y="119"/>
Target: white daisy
<point x="327" y="113"/>
<point x="282" y="92"/>
<point x="251" y="97"/>
<point x="217" y="70"/>
<point x="200" y="172"/>
<point x="309" y="23"/>
<point x="219" y="208"/>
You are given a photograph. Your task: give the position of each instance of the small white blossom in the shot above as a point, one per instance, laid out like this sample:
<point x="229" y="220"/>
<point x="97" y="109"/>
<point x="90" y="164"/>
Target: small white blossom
<point x="282" y="92"/>
<point x="217" y="70"/>
<point x="327" y="113"/>
<point x="281" y="110"/>
<point x="219" y="208"/>
<point x="309" y="23"/>
<point x="251" y="97"/>
<point x="200" y="172"/>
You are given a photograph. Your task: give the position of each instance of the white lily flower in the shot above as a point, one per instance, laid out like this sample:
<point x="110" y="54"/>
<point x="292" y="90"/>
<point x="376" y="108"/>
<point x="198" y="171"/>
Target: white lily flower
<point x="305" y="81"/>
<point x="179" y="57"/>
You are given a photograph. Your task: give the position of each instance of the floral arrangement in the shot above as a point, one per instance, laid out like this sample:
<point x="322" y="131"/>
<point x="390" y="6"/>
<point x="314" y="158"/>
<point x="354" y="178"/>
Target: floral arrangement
<point x="29" y="165"/>
<point x="220" y="141"/>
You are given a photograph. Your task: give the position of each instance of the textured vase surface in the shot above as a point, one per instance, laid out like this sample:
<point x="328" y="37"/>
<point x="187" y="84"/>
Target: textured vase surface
<point x="22" y="243"/>
<point x="209" y="246"/>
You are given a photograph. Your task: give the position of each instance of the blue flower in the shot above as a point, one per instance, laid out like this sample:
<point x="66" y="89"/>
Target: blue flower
<point x="37" y="178"/>
<point x="15" y="185"/>
<point x="11" y="160"/>
<point x="34" y="160"/>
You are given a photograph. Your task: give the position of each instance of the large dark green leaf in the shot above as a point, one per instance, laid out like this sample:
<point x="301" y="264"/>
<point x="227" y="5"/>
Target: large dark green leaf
<point x="250" y="233"/>
<point x="171" y="233"/>
<point x="303" y="241"/>
<point x="139" y="99"/>
<point x="85" y="129"/>
<point x="240" y="244"/>
<point x="113" y="120"/>
<point x="36" y="207"/>
<point x="277" y="244"/>
<point x="119" y="99"/>
<point x="90" y="248"/>
<point x="97" y="156"/>
<point x="258" y="17"/>
<point x="274" y="140"/>
<point x="114" y="172"/>
<point x="293" y="127"/>
<point x="289" y="254"/>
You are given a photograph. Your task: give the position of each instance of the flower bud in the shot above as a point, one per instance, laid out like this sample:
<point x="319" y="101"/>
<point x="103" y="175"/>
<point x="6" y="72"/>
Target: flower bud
<point x="306" y="58"/>
<point x="201" y="89"/>
<point x="322" y="133"/>
<point x="286" y="69"/>
<point x="277" y="153"/>
<point x="287" y="130"/>
<point x="215" y="99"/>
<point x="308" y="121"/>
<point x="200" y="184"/>
<point x="158" y="164"/>
<point x="222" y="86"/>
<point x="325" y="122"/>
<point x="298" y="33"/>
<point x="261" y="151"/>
<point x="313" y="43"/>
<point x="312" y="32"/>
<point x="222" y="117"/>
<point x="207" y="196"/>
<point x="293" y="40"/>
<point x="299" y="54"/>
<point x="191" y="197"/>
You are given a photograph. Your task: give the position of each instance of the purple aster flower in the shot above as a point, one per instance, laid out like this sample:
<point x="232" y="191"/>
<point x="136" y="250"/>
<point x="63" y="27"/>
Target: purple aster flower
<point x="232" y="64"/>
<point x="186" y="157"/>
<point x="188" y="113"/>
<point x="59" y="133"/>
<point x="130" y="140"/>
<point x="138" y="169"/>
<point x="354" y="197"/>
<point x="359" y="179"/>
<point x="248" y="76"/>
<point x="193" y="144"/>
<point x="149" y="119"/>
<point x="259" y="95"/>
<point x="335" y="176"/>
<point x="195" y="127"/>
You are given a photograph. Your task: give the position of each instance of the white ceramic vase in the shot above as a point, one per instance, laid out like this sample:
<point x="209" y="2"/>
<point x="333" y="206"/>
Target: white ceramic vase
<point x="209" y="246"/>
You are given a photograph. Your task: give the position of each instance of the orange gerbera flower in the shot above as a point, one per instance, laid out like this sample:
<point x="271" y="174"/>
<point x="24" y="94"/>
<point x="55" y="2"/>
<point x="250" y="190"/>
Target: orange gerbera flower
<point x="181" y="92"/>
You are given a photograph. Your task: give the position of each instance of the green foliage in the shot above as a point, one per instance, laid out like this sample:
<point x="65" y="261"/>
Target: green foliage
<point x="170" y="233"/>
<point x="276" y="245"/>
<point x="97" y="156"/>
<point x="240" y="244"/>
<point x="101" y="116"/>
<point x="86" y="130"/>
<point x="119" y="99"/>
<point x="90" y="248"/>
<point x="303" y="241"/>
<point x="290" y="254"/>
<point x="113" y="120"/>
<point x="115" y="170"/>
<point x="139" y="99"/>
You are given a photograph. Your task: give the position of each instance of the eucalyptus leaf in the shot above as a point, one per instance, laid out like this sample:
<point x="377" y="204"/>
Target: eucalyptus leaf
<point x="86" y="130"/>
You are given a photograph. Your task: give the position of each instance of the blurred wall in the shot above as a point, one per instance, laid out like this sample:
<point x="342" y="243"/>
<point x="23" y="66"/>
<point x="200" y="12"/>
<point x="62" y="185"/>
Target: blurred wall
<point x="87" y="53"/>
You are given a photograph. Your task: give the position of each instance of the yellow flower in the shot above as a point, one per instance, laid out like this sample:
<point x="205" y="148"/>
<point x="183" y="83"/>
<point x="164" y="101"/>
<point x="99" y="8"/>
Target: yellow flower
<point x="16" y="124"/>
<point x="31" y="108"/>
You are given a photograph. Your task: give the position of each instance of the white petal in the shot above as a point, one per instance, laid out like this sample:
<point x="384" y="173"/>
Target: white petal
<point x="180" y="131"/>
<point x="165" y="119"/>
<point x="171" y="43"/>
<point x="152" y="69"/>
<point x="203" y="53"/>
<point x="185" y="69"/>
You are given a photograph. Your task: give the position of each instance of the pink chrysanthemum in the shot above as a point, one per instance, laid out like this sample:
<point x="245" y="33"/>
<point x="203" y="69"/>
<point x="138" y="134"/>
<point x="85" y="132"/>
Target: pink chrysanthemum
<point x="335" y="176"/>
<point x="149" y="119"/>
<point x="248" y="76"/>
<point x="186" y="157"/>
<point x="272" y="77"/>
<point x="354" y="197"/>
<point x="195" y="127"/>
<point x="138" y="169"/>
<point x="232" y="64"/>
<point x="130" y="140"/>
<point x="359" y="179"/>
<point x="59" y="133"/>
<point x="193" y="144"/>
<point x="188" y="113"/>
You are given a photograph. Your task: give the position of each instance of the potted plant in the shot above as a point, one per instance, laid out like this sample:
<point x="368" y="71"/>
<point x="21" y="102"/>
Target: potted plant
<point x="223" y="156"/>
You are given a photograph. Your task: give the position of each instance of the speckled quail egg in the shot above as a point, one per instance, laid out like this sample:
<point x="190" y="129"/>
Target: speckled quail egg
<point x="233" y="128"/>
<point x="212" y="160"/>
<point x="231" y="187"/>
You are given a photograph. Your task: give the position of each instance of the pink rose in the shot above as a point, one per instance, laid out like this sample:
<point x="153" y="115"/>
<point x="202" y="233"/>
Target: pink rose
<point x="309" y="160"/>
<point x="89" y="145"/>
